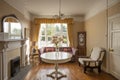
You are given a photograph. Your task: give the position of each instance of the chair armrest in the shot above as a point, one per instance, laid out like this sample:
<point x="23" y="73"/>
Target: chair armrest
<point x="83" y="56"/>
<point x="88" y="62"/>
<point x="92" y="61"/>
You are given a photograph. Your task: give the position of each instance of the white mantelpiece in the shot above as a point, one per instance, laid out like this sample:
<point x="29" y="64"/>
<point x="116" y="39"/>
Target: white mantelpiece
<point x="5" y="47"/>
<point x="3" y="36"/>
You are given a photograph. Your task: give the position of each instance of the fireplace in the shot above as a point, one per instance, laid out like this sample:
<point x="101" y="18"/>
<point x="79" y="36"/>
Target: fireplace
<point x="15" y="66"/>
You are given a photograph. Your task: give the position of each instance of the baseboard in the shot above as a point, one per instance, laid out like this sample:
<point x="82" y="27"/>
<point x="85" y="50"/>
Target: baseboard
<point x="111" y="73"/>
<point x="116" y="75"/>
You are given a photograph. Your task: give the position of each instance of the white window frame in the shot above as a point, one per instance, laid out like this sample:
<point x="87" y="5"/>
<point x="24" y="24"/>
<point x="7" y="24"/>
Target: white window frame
<point x="46" y="36"/>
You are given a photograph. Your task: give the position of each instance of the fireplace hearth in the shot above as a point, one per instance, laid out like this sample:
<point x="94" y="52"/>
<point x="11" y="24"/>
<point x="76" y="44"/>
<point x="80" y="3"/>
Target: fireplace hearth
<point x="15" y="66"/>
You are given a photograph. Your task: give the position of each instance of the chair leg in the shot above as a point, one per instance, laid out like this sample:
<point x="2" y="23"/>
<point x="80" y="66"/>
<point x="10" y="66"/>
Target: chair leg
<point x="99" y="69"/>
<point x="79" y="63"/>
<point x="85" y="69"/>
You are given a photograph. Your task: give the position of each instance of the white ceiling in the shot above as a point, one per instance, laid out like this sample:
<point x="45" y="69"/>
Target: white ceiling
<point x="51" y="7"/>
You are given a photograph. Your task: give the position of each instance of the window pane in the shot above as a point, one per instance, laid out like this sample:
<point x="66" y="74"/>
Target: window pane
<point x="49" y="29"/>
<point x="64" y="28"/>
<point x="58" y="28"/>
<point x="42" y="38"/>
<point x="43" y="29"/>
<point x="43" y="32"/>
<point x="49" y="38"/>
<point x="65" y="39"/>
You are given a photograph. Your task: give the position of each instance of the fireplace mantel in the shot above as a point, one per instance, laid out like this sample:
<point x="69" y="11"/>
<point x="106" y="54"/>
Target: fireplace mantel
<point x="8" y="43"/>
<point x="5" y="47"/>
<point x="11" y="40"/>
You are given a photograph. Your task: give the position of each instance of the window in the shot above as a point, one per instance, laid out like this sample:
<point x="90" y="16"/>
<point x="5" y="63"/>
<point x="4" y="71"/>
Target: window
<point x="47" y="31"/>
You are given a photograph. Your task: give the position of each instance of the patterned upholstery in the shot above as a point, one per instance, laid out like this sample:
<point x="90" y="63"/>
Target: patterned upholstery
<point x="49" y="49"/>
<point x="66" y="49"/>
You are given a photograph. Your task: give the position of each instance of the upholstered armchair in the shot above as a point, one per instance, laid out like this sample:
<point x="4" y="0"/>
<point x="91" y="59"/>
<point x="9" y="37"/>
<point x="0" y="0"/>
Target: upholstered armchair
<point x="94" y="61"/>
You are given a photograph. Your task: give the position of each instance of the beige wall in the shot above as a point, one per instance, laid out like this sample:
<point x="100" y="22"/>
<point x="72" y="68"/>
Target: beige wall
<point x="96" y="28"/>
<point x="77" y="27"/>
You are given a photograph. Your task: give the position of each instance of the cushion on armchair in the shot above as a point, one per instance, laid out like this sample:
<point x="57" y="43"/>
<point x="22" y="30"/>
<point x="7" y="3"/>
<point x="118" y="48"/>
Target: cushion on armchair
<point x="95" y="53"/>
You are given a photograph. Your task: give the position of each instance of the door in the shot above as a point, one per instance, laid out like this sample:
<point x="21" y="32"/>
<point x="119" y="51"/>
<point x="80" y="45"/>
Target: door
<point x="114" y="45"/>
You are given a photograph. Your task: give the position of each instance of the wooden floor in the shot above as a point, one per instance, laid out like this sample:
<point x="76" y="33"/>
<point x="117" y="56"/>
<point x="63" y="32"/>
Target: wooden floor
<point x="72" y="70"/>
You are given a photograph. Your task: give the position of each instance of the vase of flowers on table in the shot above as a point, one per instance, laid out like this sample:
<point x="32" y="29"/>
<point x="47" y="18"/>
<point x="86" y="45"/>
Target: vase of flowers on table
<point x="57" y="41"/>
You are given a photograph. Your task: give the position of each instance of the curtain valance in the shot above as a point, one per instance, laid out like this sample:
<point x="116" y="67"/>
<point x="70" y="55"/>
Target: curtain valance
<point x="51" y="20"/>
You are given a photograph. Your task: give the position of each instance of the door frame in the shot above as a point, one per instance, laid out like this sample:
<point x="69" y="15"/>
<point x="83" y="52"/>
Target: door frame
<point x="109" y="40"/>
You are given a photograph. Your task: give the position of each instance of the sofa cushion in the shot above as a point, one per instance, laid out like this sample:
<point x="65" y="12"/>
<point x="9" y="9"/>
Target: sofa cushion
<point x="66" y="49"/>
<point x="49" y="49"/>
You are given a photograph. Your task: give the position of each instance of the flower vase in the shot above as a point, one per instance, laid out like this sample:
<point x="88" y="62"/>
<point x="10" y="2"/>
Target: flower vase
<point x="57" y="49"/>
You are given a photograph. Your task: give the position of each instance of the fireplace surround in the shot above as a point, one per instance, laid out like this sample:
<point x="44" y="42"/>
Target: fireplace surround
<point x="10" y="49"/>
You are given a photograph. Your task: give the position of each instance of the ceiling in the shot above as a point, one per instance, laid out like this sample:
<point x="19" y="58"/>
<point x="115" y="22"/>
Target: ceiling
<point x="51" y="7"/>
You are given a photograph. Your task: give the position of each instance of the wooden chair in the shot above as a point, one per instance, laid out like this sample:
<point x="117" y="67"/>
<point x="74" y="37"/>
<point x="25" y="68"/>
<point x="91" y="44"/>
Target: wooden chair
<point x="94" y="61"/>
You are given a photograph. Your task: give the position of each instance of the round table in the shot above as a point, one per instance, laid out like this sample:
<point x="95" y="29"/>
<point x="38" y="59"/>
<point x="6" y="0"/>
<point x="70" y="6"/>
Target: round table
<point x="56" y="58"/>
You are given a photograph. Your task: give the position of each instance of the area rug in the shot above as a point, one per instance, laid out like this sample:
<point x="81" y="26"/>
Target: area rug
<point x="23" y="72"/>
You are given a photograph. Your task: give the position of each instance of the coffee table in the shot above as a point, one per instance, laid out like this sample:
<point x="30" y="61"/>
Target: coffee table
<point x="56" y="58"/>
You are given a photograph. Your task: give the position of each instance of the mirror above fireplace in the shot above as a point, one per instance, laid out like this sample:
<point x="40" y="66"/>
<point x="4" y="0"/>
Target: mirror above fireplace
<point x="12" y="27"/>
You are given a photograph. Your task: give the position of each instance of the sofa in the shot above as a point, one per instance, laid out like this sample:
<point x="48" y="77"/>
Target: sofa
<point x="62" y="49"/>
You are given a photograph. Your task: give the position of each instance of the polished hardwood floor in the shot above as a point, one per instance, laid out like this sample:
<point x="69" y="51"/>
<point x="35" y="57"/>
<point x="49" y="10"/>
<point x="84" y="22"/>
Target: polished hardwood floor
<point x="72" y="70"/>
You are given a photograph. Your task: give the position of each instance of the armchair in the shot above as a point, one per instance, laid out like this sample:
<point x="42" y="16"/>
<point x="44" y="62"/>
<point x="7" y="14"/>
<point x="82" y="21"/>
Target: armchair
<point x="94" y="61"/>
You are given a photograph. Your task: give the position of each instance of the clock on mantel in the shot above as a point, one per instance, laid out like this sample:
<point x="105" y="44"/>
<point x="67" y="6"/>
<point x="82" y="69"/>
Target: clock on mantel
<point x="81" y="43"/>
